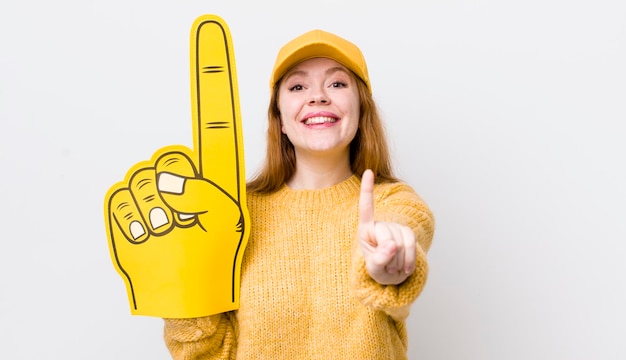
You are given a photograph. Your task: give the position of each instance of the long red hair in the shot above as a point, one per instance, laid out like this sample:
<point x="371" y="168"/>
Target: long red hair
<point x="368" y="149"/>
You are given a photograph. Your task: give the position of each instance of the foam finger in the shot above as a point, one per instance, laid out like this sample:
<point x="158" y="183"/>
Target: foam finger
<point x="156" y="214"/>
<point x="124" y="214"/>
<point x="215" y="105"/>
<point x="173" y="169"/>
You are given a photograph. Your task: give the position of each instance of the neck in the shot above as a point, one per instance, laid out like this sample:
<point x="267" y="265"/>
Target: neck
<point x="319" y="173"/>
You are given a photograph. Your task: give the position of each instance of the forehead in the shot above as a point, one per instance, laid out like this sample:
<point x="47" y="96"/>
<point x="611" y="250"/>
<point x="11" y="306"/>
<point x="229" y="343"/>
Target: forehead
<point x="319" y="63"/>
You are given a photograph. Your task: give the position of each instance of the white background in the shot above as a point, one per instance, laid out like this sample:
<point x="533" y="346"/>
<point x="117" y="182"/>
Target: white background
<point x="506" y="116"/>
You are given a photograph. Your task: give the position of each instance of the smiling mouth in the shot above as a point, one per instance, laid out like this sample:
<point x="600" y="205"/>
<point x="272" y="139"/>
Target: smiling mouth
<point x="319" y="120"/>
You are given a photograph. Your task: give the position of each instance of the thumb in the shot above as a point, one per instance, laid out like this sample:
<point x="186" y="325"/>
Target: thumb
<point x="192" y="195"/>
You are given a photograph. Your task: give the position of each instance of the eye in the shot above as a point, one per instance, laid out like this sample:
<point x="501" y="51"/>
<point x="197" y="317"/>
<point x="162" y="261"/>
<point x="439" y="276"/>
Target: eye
<point x="296" y="87"/>
<point x="338" y="84"/>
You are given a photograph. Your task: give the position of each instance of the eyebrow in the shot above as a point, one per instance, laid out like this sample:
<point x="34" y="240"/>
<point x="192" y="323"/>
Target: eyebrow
<point x="329" y="71"/>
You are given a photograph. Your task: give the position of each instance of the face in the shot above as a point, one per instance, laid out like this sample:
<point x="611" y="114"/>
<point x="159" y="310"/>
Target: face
<point x="319" y="107"/>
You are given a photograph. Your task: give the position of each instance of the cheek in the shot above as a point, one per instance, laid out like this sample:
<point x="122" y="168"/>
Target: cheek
<point x="288" y="117"/>
<point x="356" y="116"/>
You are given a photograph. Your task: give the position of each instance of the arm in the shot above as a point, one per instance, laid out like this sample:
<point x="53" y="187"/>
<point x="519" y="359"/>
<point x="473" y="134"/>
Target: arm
<point x="399" y="204"/>
<point x="212" y="337"/>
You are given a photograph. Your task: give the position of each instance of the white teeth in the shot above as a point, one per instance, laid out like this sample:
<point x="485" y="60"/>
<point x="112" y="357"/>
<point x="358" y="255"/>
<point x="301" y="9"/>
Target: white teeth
<point x="319" y="120"/>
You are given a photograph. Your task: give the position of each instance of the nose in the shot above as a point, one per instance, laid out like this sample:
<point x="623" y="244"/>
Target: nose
<point x="318" y="97"/>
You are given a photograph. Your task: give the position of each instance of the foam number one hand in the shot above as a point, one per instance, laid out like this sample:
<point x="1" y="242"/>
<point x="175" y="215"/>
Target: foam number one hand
<point x="177" y="225"/>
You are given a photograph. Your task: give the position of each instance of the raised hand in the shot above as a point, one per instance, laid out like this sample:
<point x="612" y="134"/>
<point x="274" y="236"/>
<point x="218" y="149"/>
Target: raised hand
<point x="389" y="248"/>
<point x="178" y="224"/>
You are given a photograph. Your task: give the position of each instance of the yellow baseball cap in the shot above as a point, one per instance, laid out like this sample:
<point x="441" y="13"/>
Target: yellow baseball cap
<point x="319" y="43"/>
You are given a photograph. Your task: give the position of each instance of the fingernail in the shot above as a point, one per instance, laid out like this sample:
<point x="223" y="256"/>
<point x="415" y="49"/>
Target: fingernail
<point x="136" y="230"/>
<point x="185" y="216"/>
<point x="170" y="183"/>
<point x="158" y="218"/>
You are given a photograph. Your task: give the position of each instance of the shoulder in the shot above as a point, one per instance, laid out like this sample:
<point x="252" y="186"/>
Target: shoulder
<point x="394" y="189"/>
<point x="400" y="197"/>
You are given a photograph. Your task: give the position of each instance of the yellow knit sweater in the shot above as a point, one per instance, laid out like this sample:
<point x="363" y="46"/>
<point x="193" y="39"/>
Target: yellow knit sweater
<point x="305" y="293"/>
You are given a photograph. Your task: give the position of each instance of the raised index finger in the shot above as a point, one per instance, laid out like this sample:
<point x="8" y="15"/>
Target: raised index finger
<point x="366" y="199"/>
<point x="215" y="105"/>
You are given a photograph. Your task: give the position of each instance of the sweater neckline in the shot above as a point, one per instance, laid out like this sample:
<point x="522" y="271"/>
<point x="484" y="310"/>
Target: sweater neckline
<point x="314" y="198"/>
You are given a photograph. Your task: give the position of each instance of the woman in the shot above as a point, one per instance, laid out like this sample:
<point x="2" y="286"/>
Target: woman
<point x="337" y="248"/>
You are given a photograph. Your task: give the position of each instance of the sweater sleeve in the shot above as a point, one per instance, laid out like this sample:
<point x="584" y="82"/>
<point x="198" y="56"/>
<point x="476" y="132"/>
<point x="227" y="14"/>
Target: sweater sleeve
<point x="400" y="204"/>
<point x="212" y="337"/>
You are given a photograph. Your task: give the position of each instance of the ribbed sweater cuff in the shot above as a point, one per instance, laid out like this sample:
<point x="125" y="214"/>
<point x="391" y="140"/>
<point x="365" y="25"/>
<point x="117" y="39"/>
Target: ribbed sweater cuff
<point x="395" y="300"/>
<point x="188" y="330"/>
